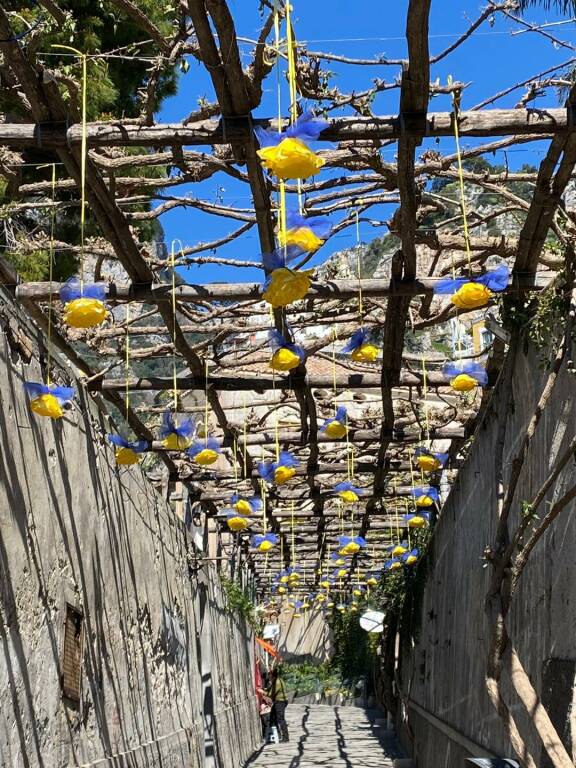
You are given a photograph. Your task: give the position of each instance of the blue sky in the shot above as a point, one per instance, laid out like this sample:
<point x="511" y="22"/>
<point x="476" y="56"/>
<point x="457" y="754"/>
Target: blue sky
<point x="491" y="60"/>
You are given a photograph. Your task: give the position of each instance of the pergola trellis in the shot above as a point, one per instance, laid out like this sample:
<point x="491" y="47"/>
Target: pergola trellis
<point x="219" y="311"/>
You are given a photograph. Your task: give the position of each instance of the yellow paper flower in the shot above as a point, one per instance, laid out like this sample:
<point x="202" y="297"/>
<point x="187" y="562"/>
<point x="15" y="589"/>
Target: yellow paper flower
<point x="237" y="523"/>
<point x="285" y="286"/>
<point x="291" y="159"/>
<point x="47" y="405"/>
<point x="472" y="296"/>
<point x="428" y="463"/>
<point x="367" y="353"/>
<point x="125" y="457"/>
<point x="205" y="457"/>
<point x="303" y="238"/>
<point x="84" y="313"/>
<point x="284" y="360"/>
<point x="174" y="442"/>
<point x="283" y="474"/>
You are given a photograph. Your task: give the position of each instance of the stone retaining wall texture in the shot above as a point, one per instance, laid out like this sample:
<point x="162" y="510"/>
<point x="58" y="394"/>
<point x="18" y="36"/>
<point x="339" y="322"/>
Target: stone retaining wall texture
<point x="166" y="671"/>
<point x="444" y="651"/>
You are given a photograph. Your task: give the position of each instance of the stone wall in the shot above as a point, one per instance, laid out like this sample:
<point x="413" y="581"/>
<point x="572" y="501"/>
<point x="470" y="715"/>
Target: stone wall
<point x="166" y="671"/>
<point x="445" y="641"/>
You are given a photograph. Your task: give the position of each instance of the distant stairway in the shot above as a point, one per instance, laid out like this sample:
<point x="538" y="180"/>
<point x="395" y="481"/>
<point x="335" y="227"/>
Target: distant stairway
<point x="328" y="737"/>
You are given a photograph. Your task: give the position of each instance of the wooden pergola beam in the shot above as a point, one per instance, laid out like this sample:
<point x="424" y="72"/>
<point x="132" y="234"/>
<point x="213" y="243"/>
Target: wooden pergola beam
<point x="263" y="383"/>
<point x="354" y="436"/>
<point x="115" y="133"/>
<point x="189" y="294"/>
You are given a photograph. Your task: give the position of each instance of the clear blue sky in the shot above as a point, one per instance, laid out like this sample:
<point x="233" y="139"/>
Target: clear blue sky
<point x="493" y="59"/>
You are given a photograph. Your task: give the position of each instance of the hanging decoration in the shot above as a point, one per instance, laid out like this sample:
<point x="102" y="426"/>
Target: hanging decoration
<point x="396" y="550"/>
<point x="126" y="452"/>
<point x="48" y="401"/>
<point x="83" y="303"/>
<point x="393" y="565"/>
<point x="372" y="578"/>
<point x="417" y="520"/>
<point x="204" y="451"/>
<point x="287" y="155"/>
<point x="350" y="545"/>
<point x="337" y="426"/>
<point x="264" y="542"/>
<point x="176" y="437"/>
<point x="465" y="376"/>
<point x="348" y="492"/>
<point x="428" y="461"/>
<point x="425" y="497"/>
<point x="286" y="355"/>
<point x="246" y="506"/>
<point x="409" y="558"/>
<point x="284" y="286"/>
<point x="236" y="522"/>
<point x="306" y="234"/>
<point x="360" y="349"/>
<point x="281" y="471"/>
<point x="475" y="292"/>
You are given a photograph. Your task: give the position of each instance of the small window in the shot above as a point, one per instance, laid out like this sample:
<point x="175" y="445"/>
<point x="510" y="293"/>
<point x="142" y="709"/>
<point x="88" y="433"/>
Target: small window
<point x="72" y="654"/>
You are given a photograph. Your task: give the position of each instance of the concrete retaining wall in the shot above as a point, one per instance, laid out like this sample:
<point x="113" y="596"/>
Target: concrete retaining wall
<point x="445" y="645"/>
<point x="166" y="670"/>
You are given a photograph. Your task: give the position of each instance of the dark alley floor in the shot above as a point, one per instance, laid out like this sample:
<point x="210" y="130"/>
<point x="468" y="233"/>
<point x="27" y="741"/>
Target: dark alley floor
<point x="328" y="737"/>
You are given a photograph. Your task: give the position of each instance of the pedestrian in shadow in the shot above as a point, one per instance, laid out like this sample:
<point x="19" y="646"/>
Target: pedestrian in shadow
<point x="279" y="702"/>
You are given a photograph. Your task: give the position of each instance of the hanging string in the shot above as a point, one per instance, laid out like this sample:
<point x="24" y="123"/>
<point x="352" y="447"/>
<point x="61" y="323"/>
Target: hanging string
<point x="293" y="554"/>
<point x="276" y="424"/>
<point x="174" y="368"/>
<point x="293" y="83"/>
<point x="359" y="272"/>
<point x="245" y="435"/>
<point x="206" y="404"/>
<point x="83" y="152"/>
<point x="425" y="404"/>
<point x="127" y="362"/>
<point x="51" y="274"/>
<point x="456" y="107"/>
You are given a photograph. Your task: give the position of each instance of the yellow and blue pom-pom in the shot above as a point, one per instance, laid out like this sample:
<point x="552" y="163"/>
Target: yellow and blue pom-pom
<point x="83" y="303"/>
<point x="360" y="349"/>
<point x="306" y="234"/>
<point x="236" y="522"/>
<point x="395" y="550"/>
<point x="348" y="492"/>
<point x="287" y="155"/>
<point x="264" y="542"/>
<point x="286" y="356"/>
<point x="126" y="452"/>
<point x="281" y="471"/>
<point x="428" y="461"/>
<point x="475" y="291"/>
<point x="409" y="558"/>
<point x="419" y="520"/>
<point x="204" y="452"/>
<point x="350" y="545"/>
<point x="176" y="437"/>
<point x="246" y="506"/>
<point x="425" y="497"/>
<point x="48" y="401"/>
<point x="465" y="376"/>
<point x="336" y="427"/>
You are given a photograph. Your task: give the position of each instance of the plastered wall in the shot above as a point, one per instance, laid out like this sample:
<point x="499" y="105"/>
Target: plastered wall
<point x="166" y="671"/>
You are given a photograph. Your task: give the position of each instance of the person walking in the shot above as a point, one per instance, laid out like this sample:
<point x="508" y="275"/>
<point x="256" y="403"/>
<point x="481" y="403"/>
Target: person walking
<point x="279" y="703"/>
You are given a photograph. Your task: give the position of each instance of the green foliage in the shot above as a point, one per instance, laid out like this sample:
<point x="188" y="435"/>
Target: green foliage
<point x="35" y="266"/>
<point x="353" y="651"/>
<point x="239" y="602"/>
<point x="307" y="677"/>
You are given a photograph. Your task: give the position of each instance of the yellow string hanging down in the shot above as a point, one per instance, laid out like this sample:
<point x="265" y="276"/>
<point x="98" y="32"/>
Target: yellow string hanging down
<point x="456" y="107"/>
<point x="127" y="362"/>
<point x="359" y="271"/>
<point x="51" y="273"/>
<point x="174" y="373"/>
